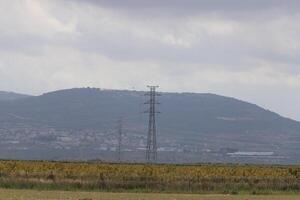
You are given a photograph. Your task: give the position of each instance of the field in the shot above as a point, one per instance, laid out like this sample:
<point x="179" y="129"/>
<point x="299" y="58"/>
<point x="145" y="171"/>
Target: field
<point x="105" y="177"/>
<point x="60" y="195"/>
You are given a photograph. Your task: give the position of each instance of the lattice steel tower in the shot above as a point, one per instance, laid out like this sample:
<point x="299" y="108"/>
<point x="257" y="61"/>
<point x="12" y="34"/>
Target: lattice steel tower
<point x="151" y="150"/>
<point x="120" y="133"/>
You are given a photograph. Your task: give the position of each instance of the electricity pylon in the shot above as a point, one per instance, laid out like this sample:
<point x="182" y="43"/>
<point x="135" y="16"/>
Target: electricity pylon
<point x="151" y="149"/>
<point x="120" y="132"/>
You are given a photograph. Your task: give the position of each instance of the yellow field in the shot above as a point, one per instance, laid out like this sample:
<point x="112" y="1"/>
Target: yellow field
<point x="59" y="195"/>
<point x="222" y="179"/>
<point x="166" y="172"/>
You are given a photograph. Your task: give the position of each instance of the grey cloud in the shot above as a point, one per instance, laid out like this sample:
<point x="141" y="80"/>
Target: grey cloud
<point x="195" y="4"/>
<point x="28" y="44"/>
<point x="133" y="49"/>
<point x="246" y="49"/>
<point x="192" y="7"/>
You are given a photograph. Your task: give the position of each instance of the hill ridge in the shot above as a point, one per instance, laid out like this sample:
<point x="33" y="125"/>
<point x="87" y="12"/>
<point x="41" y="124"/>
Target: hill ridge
<point x="199" y="123"/>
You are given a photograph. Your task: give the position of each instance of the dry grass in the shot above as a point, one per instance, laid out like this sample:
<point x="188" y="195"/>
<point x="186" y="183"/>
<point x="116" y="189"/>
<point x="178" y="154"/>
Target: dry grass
<point x="62" y="195"/>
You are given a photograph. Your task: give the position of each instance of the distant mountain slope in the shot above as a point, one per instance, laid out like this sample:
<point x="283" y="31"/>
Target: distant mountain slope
<point x="94" y="108"/>
<point x="4" y="96"/>
<point x="200" y="123"/>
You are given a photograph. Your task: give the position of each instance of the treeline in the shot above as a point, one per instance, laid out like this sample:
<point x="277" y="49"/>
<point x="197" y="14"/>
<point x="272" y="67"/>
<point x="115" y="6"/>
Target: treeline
<point x="152" y="178"/>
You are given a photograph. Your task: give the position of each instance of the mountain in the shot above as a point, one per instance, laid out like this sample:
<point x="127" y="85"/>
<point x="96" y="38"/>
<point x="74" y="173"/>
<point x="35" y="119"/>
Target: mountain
<point x="7" y="96"/>
<point x="191" y="127"/>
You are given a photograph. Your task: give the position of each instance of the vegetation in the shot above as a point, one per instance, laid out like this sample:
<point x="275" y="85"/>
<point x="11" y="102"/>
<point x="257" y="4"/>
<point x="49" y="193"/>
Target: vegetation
<point x="71" y="195"/>
<point x="231" y="179"/>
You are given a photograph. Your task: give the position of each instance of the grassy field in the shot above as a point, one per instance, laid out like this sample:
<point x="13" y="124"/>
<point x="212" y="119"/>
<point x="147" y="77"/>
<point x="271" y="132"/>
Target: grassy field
<point x="105" y="177"/>
<point x="62" y="195"/>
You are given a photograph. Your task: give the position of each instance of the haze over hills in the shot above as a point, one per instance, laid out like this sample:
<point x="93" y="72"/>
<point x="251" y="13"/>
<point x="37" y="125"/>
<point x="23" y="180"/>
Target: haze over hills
<point x="4" y="96"/>
<point x="81" y="124"/>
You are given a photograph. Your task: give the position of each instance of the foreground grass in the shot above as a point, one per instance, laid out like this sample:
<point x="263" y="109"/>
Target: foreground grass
<point x="68" y="195"/>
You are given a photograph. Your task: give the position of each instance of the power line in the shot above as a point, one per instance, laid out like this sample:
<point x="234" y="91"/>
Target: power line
<point x="151" y="149"/>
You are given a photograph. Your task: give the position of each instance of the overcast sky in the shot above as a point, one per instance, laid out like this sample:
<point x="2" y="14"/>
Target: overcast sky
<point x="247" y="49"/>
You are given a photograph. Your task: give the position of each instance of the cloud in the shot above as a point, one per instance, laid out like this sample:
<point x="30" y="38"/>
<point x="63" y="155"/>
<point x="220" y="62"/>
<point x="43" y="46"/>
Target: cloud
<point x="180" y="8"/>
<point x="246" y="49"/>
